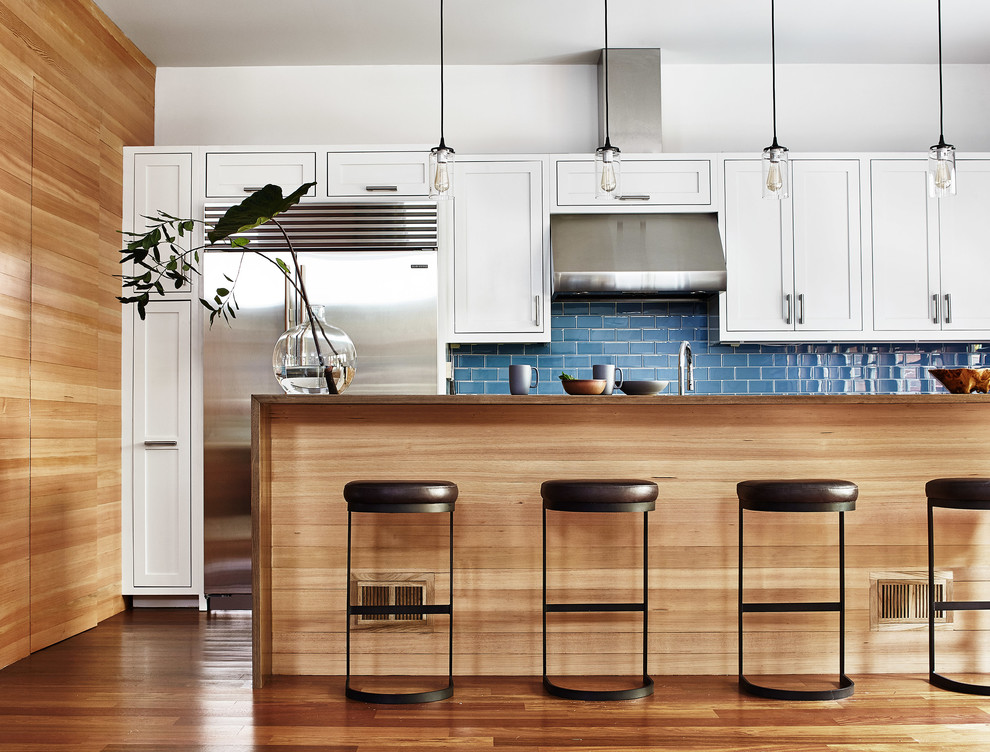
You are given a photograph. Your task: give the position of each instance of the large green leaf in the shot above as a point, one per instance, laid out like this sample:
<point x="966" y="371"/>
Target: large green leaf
<point x="255" y="210"/>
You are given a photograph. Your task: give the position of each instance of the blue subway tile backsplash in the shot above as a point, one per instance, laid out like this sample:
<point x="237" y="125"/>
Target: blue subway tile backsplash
<point x="642" y="338"/>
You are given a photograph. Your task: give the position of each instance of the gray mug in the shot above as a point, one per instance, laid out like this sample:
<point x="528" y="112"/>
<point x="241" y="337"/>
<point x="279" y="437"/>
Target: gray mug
<point x="521" y="379"/>
<point x="607" y="371"/>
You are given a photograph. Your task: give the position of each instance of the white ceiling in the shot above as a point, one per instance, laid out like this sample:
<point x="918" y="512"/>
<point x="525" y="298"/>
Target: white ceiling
<point x="179" y="33"/>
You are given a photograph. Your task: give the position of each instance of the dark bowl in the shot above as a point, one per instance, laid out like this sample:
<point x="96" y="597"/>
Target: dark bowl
<point x="583" y="386"/>
<point x="643" y="387"/>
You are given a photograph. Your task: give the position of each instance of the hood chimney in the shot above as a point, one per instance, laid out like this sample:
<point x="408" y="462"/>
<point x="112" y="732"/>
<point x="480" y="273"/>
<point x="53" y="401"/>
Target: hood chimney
<point x="634" y="99"/>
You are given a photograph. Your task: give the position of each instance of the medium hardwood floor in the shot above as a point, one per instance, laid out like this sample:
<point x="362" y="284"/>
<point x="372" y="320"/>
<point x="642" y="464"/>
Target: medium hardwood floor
<point x="170" y="681"/>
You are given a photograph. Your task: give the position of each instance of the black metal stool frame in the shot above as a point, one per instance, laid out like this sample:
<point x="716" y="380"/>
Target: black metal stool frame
<point x="846" y="685"/>
<point x="935" y="678"/>
<point x="594" y="695"/>
<point x="402" y="698"/>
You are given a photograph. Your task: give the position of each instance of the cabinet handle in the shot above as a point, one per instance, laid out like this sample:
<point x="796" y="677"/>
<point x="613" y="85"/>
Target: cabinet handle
<point x="787" y="302"/>
<point x="161" y="442"/>
<point x="948" y="308"/>
<point x="539" y="310"/>
<point x="801" y="308"/>
<point x="635" y="197"/>
<point x="382" y="188"/>
<point x="252" y="188"/>
<point x="934" y="309"/>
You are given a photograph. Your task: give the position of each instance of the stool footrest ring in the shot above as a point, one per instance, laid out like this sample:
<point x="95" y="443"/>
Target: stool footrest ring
<point x="962" y="605"/>
<point x="400" y="698"/>
<point x="596" y="695"/>
<point x="398" y="610"/>
<point x="764" y="608"/>
<point x="564" y="608"/>
<point x="845" y="689"/>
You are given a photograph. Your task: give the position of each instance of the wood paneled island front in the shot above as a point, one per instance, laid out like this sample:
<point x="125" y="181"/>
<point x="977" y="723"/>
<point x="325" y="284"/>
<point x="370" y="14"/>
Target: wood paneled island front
<point x="499" y="449"/>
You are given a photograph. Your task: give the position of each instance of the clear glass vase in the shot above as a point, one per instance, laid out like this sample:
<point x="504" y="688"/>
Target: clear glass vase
<point x="324" y="365"/>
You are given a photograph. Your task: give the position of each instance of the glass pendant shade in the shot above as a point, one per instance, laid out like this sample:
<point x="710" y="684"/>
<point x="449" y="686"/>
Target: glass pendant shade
<point x="776" y="173"/>
<point x="942" y="170"/>
<point x="441" y="172"/>
<point x="608" y="173"/>
<point x="301" y="368"/>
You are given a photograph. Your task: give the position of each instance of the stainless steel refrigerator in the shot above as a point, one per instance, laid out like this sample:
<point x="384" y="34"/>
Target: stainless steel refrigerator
<point x="374" y="267"/>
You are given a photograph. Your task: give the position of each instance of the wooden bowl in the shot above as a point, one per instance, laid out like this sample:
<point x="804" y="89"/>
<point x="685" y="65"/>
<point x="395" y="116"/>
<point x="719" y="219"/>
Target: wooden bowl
<point x="583" y="386"/>
<point x="963" y="380"/>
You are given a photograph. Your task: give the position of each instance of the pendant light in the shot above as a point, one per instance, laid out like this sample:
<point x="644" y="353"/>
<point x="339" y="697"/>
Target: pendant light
<point x="776" y="176"/>
<point x="942" y="156"/>
<point x="441" y="156"/>
<point x="607" y="171"/>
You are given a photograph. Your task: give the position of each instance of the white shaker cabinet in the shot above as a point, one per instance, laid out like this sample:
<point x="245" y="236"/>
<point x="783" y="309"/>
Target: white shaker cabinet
<point x="793" y="265"/>
<point x="236" y="174"/>
<point x="381" y="174"/>
<point x="160" y="534"/>
<point x="500" y="254"/>
<point x="931" y="258"/>
<point x="162" y="526"/>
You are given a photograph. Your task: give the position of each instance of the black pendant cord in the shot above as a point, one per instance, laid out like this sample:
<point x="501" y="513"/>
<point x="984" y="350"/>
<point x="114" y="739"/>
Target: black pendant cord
<point x="941" y="128"/>
<point x="773" y="72"/>
<point x="442" y="145"/>
<point x="608" y="145"/>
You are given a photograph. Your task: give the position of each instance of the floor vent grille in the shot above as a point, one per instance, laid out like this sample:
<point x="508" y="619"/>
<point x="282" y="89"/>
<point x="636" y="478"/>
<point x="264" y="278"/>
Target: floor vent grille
<point x="899" y="600"/>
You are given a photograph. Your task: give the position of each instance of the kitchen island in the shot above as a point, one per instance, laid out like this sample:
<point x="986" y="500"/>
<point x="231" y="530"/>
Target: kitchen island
<point x="499" y="449"/>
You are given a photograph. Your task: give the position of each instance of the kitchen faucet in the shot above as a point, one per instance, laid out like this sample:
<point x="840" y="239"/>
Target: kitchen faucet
<point x="685" y="368"/>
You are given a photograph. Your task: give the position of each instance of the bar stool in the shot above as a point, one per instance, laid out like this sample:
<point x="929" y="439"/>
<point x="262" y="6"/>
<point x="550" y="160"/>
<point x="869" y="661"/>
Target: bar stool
<point x="396" y="497"/>
<point x="951" y="493"/>
<point x="599" y="496"/>
<point x="798" y="496"/>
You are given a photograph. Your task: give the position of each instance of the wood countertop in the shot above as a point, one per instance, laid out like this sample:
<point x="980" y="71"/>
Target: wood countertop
<point x="671" y="400"/>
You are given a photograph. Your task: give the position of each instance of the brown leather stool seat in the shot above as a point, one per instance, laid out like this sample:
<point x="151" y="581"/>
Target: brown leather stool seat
<point x="798" y="496"/>
<point x="599" y="496"/>
<point x="951" y="493"/>
<point x="397" y="497"/>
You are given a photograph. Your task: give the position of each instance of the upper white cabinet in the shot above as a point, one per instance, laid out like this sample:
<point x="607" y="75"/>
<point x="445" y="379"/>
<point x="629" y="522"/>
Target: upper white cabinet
<point x="236" y="174"/>
<point x="378" y="173"/>
<point x="681" y="183"/>
<point x="931" y="258"/>
<point x="501" y="279"/>
<point x="794" y="269"/>
<point x="159" y="181"/>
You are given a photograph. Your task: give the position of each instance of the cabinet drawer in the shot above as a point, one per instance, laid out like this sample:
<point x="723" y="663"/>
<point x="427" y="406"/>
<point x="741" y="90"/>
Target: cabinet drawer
<point x="230" y="174"/>
<point x="378" y="173"/>
<point x="643" y="182"/>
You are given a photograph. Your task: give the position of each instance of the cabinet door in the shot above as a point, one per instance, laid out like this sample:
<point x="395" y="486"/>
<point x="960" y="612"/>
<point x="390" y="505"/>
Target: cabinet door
<point x="645" y="182"/>
<point x="234" y="175"/>
<point x="499" y="253"/>
<point x="162" y="182"/>
<point x="964" y="225"/>
<point x="758" y="253"/>
<point x="161" y="517"/>
<point x="378" y="173"/>
<point x="905" y="247"/>
<point x="827" y="257"/>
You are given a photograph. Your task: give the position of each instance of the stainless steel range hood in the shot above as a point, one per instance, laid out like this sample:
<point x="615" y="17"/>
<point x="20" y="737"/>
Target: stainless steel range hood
<point x="657" y="256"/>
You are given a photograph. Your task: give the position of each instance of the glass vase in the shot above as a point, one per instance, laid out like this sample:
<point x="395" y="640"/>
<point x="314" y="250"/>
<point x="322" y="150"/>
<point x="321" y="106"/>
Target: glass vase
<point x="321" y="365"/>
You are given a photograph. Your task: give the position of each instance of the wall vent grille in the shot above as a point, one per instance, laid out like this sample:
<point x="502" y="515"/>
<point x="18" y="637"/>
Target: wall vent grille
<point x="392" y="589"/>
<point x="899" y="600"/>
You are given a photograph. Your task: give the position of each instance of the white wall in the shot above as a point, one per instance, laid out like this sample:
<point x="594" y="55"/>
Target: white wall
<point x="552" y="108"/>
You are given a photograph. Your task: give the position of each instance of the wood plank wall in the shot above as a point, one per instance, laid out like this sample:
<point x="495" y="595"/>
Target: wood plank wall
<point x="499" y="454"/>
<point x="73" y="92"/>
